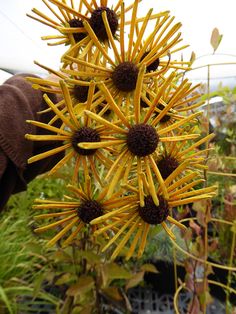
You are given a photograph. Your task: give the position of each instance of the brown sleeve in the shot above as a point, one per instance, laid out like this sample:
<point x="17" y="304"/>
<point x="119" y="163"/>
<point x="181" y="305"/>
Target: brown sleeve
<point x="19" y="102"/>
<point x="3" y="162"/>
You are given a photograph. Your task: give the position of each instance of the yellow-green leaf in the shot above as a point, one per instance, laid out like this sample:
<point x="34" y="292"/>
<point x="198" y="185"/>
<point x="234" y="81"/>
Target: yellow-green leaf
<point x="83" y="310"/>
<point x="233" y="228"/>
<point x="114" y="271"/>
<point x="61" y="256"/>
<point x="33" y="247"/>
<point x="149" y="267"/>
<point x="65" y="278"/>
<point x="77" y="310"/>
<point x="91" y="257"/>
<point x="83" y="285"/>
<point x="37" y="284"/>
<point x="4" y="298"/>
<point x="135" y="280"/>
<point x="205" y="297"/>
<point x="113" y="293"/>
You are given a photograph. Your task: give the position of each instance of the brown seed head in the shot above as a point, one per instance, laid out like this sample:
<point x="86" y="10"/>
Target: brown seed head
<point x="85" y="134"/>
<point x="166" y="165"/>
<point x="142" y="140"/>
<point x="81" y="93"/>
<point x="77" y="23"/>
<point x="89" y="210"/>
<point x="96" y="23"/>
<point x="153" y="214"/>
<point x="166" y="117"/>
<point x="125" y="76"/>
<point x="153" y="66"/>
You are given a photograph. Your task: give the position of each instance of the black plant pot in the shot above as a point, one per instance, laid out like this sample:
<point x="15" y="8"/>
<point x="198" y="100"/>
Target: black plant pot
<point x="164" y="282"/>
<point x="221" y="275"/>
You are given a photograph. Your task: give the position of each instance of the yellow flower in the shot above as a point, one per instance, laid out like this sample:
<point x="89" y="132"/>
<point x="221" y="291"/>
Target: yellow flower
<point x="73" y="131"/>
<point x="180" y="96"/>
<point x="182" y="156"/>
<point x="141" y="159"/>
<point x="163" y="46"/>
<point x="134" y="220"/>
<point x="136" y="139"/>
<point x="69" y="19"/>
<point x="123" y="68"/>
<point x="78" y="92"/>
<point x="77" y="211"/>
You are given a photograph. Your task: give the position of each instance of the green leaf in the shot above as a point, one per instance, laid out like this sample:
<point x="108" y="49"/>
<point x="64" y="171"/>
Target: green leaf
<point x="38" y="284"/>
<point x="234" y="90"/>
<point x="137" y="278"/>
<point x="215" y="38"/>
<point x="91" y="257"/>
<point x="149" y="267"/>
<point x="77" y="310"/>
<point x="61" y="256"/>
<point x="5" y="299"/>
<point x="114" y="271"/>
<point x="33" y="247"/>
<point x="155" y="230"/>
<point x="84" y="284"/>
<point x="65" y="278"/>
<point x="82" y="310"/>
<point x="23" y="290"/>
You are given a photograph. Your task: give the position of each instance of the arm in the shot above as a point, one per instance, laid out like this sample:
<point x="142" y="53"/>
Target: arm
<point x="19" y="102"/>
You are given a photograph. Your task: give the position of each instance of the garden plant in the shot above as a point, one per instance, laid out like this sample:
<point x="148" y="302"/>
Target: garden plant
<point x="128" y="123"/>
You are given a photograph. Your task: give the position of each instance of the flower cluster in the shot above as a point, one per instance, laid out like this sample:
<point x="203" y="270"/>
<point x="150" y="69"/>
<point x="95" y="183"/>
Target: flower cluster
<point x="127" y="126"/>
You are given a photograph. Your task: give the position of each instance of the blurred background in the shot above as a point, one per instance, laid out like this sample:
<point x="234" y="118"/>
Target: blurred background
<point x="21" y="42"/>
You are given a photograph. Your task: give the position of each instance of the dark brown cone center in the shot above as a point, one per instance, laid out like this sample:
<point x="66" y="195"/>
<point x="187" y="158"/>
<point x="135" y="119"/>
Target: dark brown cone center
<point x="75" y="23"/>
<point x="89" y="210"/>
<point x="125" y="76"/>
<point x="166" y="117"/>
<point x="166" y="165"/>
<point x="142" y="140"/>
<point x="152" y="66"/>
<point x="153" y="214"/>
<point x="96" y="22"/>
<point x="85" y="134"/>
<point x="80" y="93"/>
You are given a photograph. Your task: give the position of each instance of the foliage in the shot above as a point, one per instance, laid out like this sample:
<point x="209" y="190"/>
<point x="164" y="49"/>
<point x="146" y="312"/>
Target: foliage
<point x="221" y="165"/>
<point x="223" y="161"/>
<point x="22" y="259"/>
<point x="55" y="279"/>
<point x="223" y="117"/>
<point x="92" y="282"/>
<point x="160" y="247"/>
